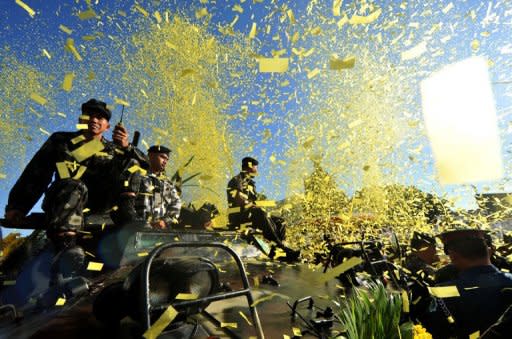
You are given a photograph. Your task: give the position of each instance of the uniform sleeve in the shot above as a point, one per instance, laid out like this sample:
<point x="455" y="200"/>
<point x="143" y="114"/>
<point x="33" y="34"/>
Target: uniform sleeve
<point x="236" y="196"/>
<point x="35" y="179"/>
<point x="173" y="208"/>
<point x="130" y="187"/>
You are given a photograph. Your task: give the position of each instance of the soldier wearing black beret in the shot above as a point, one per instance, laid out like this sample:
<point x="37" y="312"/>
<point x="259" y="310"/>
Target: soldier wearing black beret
<point x="86" y="167"/>
<point x="149" y="198"/>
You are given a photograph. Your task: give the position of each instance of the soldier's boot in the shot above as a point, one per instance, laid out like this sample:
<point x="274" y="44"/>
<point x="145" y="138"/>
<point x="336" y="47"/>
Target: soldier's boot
<point x="274" y="229"/>
<point x="68" y="263"/>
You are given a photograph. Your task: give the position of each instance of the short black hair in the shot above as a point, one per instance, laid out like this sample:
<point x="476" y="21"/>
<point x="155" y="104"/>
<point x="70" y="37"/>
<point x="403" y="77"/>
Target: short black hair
<point x="470" y="248"/>
<point x="248" y="162"/>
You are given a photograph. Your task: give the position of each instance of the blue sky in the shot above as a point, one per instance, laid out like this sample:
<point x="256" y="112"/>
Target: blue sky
<point x="465" y="22"/>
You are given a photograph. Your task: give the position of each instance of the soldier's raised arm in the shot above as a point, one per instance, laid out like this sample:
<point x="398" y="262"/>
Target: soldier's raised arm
<point x="33" y="182"/>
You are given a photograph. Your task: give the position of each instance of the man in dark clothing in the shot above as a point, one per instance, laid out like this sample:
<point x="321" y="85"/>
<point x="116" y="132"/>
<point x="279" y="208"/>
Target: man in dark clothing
<point x="149" y="199"/>
<point x="86" y="168"/>
<point x="242" y="197"/>
<point x="485" y="292"/>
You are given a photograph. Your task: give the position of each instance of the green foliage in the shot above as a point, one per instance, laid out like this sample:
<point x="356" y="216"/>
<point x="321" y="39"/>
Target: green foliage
<point x="374" y="314"/>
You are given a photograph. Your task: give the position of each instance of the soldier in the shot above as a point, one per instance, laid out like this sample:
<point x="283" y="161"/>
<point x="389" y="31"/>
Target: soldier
<point x="423" y="255"/>
<point x="242" y="196"/>
<point x="484" y="291"/>
<point x="241" y="193"/>
<point x="149" y="199"/>
<point x="85" y="164"/>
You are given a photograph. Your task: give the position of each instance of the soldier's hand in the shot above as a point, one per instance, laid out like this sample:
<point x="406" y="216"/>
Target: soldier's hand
<point x="120" y="136"/>
<point x="14" y="218"/>
<point x="160" y="224"/>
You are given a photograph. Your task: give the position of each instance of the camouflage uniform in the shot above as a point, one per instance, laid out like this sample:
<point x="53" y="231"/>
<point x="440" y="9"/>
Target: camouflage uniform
<point x="88" y="183"/>
<point x="156" y="198"/>
<point x="243" y="183"/>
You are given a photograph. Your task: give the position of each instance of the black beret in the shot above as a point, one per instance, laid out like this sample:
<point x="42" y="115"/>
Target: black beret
<point x="96" y="106"/>
<point x="248" y="162"/>
<point x="159" y="149"/>
<point x="420" y="240"/>
<point x="454" y="235"/>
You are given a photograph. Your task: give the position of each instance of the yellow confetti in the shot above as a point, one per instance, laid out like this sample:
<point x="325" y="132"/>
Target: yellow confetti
<point x="46" y="54"/>
<point x="86" y="15"/>
<point x="141" y="10"/>
<point x="355" y="123"/>
<point x="67" y="84"/>
<point x="44" y="131"/>
<point x="60" y="302"/>
<point x="136" y="168"/>
<point x="62" y="170"/>
<point x="187" y="296"/>
<point x="273" y="65"/>
<point x="252" y="33"/>
<point x="291" y="16"/>
<point x="266" y="203"/>
<point x="121" y="102"/>
<point x="296" y="332"/>
<point x="87" y="150"/>
<point x="447" y="8"/>
<point x="475" y="45"/>
<point x="201" y="13"/>
<point x="70" y="46"/>
<point x="77" y="139"/>
<point x="80" y="172"/>
<point x="336" y="7"/>
<point x="313" y="73"/>
<point x="230" y="325"/>
<point x="157" y="17"/>
<point x="444" y="291"/>
<point x="23" y="5"/>
<point x="474" y="335"/>
<point x="65" y="29"/>
<point x="337" y="64"/>
<point x="245" y="318"/>
<point x="94" y="266"/>
<point x="265" y="298"/>
<point x="405" y="301"/>
<point x="364" y="20"/>
<point x="341" y="268"/>
<point x="415" y="52"/>
<point x="165" y="319"/>
<point x="39" y="99"/>
<point x="238" y="8"/>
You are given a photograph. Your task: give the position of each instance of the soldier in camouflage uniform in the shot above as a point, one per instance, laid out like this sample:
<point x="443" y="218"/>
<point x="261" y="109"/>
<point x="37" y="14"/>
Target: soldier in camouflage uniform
<point x="149" y="198"/>
<point x="86" y="167"/>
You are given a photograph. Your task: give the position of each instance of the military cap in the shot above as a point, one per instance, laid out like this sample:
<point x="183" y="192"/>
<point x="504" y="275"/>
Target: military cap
<point x="453" y="235"/>
<point x="159" y="149"/>
<point x="248" y="162"/>
<point x="96" y="106"/>
<point x="420" y="240"/>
